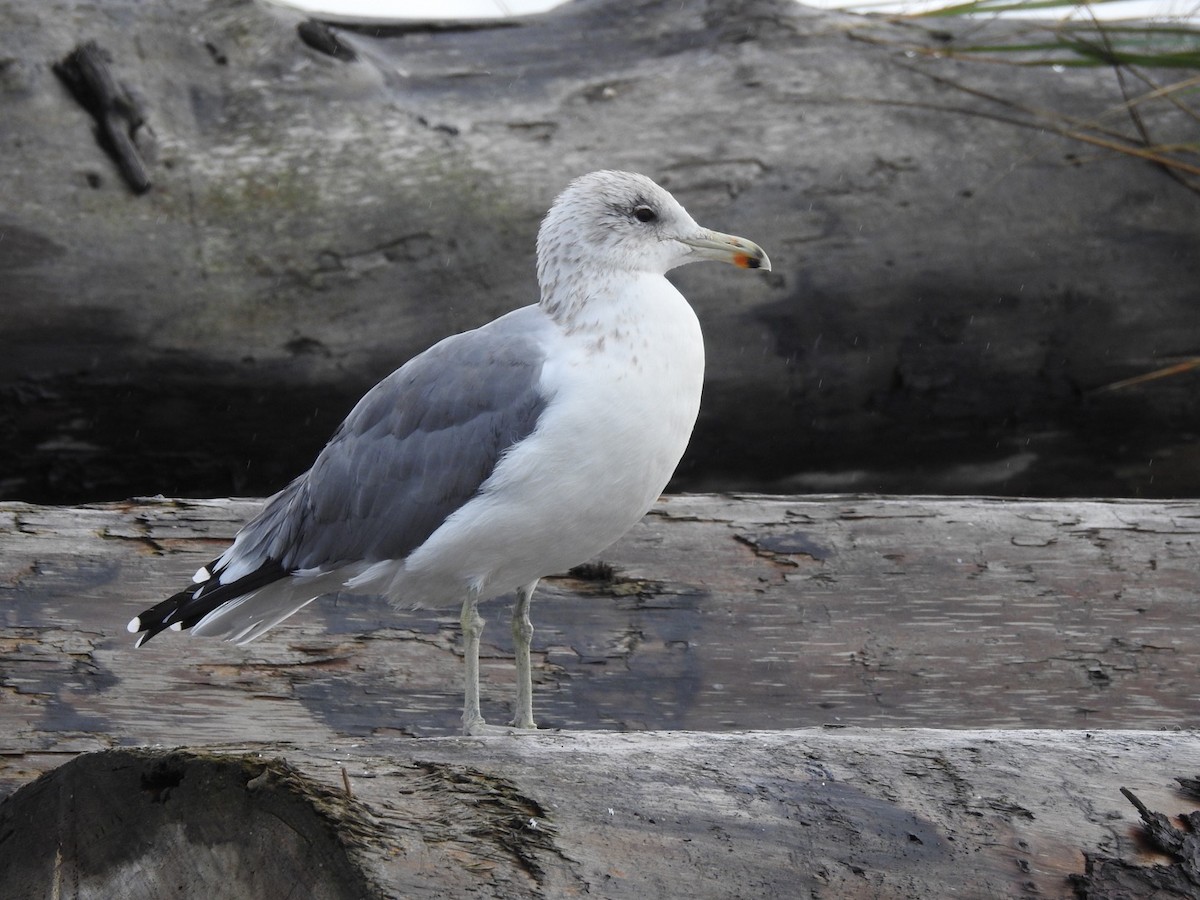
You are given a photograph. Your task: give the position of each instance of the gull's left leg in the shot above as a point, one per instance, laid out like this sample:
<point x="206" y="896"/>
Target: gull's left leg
<point x="522" y="632"/>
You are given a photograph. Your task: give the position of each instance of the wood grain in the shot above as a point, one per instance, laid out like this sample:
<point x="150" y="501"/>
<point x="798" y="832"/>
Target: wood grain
<point x="846" y="813"/>
<point x="714" y="614"/>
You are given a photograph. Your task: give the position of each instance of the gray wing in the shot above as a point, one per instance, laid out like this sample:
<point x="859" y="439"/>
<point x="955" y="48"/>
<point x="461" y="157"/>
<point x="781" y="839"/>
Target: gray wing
<point x="415" y="448"/>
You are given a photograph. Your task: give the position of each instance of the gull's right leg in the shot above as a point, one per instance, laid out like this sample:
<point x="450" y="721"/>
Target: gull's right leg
<point x="472" y="629"/>
<point x="522" y="630"/>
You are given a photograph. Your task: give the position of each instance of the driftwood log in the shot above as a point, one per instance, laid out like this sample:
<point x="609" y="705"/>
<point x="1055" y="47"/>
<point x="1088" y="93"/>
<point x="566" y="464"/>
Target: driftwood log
<point x="846" y="813"/>
<point x="954" y="275"/>
<point x="842" y="696"/>
<point x="715" y="613"/>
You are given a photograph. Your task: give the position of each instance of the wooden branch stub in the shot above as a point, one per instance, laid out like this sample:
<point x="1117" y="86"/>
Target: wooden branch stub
<point x="1189" y="788"/>
<point x="1108" y="877"/>
<point x="121" y="127"/>
<point x="325" y="40"/>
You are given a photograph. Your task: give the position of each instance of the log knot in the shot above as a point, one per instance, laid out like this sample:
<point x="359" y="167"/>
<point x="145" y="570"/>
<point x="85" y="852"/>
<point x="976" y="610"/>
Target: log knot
<point x="121" y="127"/>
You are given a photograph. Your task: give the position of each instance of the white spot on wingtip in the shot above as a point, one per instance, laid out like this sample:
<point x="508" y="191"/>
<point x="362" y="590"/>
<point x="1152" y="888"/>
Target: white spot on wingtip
<point x="176" y="626"/>
<point x="202" y="574"/>
<point x="134" y="626"/>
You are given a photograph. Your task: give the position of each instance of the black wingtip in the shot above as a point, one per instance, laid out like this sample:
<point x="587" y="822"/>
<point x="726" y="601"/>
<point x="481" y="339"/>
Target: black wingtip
<point x="161" y="616"/>
<point x="186" y="608"/>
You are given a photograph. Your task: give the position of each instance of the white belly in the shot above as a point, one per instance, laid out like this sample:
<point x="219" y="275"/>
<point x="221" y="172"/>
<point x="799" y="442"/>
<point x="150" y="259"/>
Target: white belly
<point x="618" y="421"/>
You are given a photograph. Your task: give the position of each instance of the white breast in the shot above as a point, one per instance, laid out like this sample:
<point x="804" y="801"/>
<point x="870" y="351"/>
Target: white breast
<point x="624" y="392"/>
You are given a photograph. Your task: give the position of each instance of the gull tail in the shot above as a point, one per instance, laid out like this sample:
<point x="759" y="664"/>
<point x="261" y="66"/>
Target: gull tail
<point x="193" y="604"/>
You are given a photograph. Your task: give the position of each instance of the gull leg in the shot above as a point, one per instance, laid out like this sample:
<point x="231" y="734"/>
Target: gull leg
<point x="472" y="628"/>
<point x="522" y="631"/>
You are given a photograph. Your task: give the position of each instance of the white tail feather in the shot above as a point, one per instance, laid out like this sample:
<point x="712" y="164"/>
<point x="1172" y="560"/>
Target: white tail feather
<point x="246" y="618"/>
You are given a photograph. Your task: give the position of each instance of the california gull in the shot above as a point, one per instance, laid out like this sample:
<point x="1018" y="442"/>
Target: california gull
<point x="499" y="455"/>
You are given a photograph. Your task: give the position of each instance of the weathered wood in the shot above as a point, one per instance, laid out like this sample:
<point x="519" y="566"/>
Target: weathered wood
<point x="953" y="278"/>
<point x="842" y="813"/>
<point x="714" y="614"/>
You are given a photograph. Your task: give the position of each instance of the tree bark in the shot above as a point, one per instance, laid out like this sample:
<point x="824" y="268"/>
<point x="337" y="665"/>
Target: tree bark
<point x="811" y="813"/>
<point x="954" y="277"/>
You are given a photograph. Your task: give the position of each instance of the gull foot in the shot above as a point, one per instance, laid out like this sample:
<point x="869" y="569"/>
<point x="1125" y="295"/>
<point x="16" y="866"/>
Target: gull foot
<point x="480" y="728"/>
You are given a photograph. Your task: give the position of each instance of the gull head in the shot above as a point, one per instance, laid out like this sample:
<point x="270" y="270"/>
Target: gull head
<point x="611" y="221"/>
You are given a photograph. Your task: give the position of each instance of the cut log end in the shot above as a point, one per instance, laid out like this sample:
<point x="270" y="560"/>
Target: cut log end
<point x="143" y="824"/>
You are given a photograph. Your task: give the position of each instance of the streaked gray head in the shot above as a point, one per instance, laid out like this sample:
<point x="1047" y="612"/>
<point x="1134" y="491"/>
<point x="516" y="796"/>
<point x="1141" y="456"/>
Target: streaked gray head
<point x="612" y="220"/>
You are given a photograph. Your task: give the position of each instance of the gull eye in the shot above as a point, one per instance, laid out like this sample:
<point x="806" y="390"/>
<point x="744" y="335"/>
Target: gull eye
<point x="644" y="213"/>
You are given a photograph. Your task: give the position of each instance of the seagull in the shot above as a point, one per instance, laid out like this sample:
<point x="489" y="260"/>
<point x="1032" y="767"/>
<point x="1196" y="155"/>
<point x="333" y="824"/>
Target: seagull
<point x="499" y="455"/>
